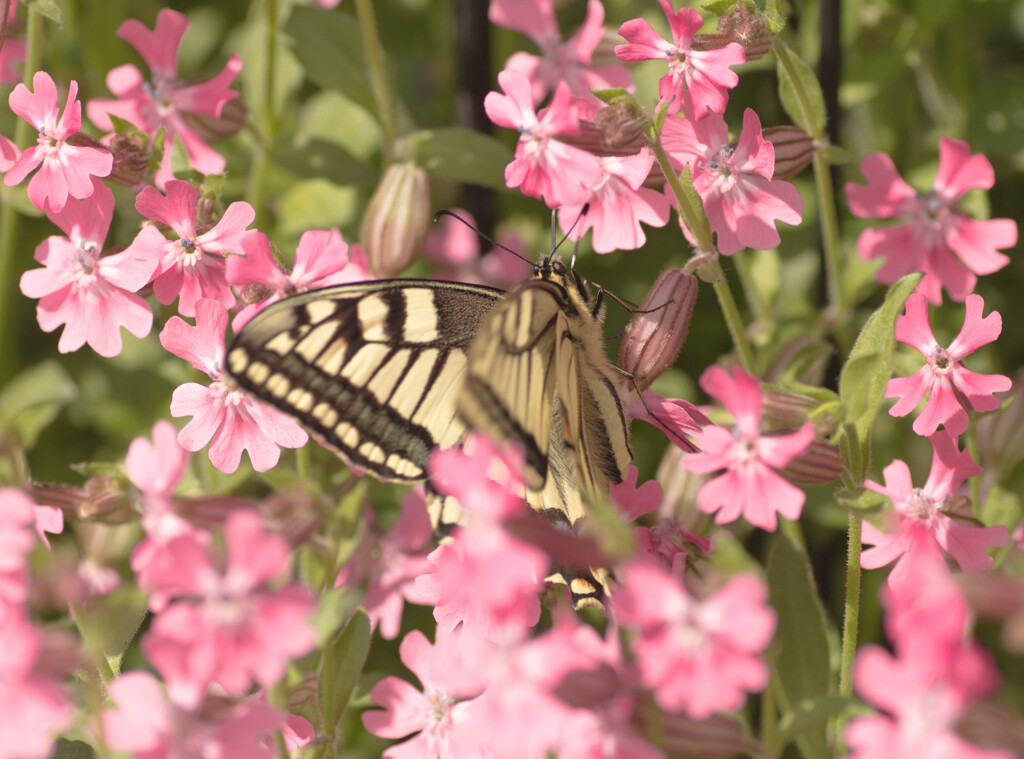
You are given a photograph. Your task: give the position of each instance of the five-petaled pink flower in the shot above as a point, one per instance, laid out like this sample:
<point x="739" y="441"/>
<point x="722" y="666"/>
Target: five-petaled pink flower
<point x="66" y="169"/>
<point x="741" y="199"/>
<point x="932" y="515"/>
<point x="618" y="203"/>
<point x="452" y="672"/>
<point x="943" y="374"/>
<point x="164" y="101"/>
<point x="940" y="240"/>
<point x="144" y="722"/>
<point x="322" y="259"/>
<point x="702" y="77"/>
<point x="230" y="626"/>
<point x="698" y="656"/>
<point x="749" y="487"/>
<point x="568" y="62"/>
<point x="192" y="266"/>
<point x="90" y="293"/>
<point x="231" y="418"/>
<point x="543" y="166"/>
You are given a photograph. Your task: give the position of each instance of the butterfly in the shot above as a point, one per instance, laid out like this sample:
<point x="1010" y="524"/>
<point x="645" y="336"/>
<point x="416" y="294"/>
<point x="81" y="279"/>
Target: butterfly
<point x="384" y="372"/>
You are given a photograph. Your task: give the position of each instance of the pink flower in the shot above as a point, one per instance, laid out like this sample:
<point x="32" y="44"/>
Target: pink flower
<point x="91" y="294"/>
<point x="935" y="676"/>
<point x="450" y="671"/>
<point x="156" y="468"/>
<point x="164" y="101"/>
<point x="680" y="420"/>
<point x="543" y="166"/>
<point x="12" y="53"/>
<point x="17" y="514"/>
<point x="193" y="265"/>
<point x="618" y="203"/>
<point x="698" y="656"/>
<point x="66" y="168"/>
<point x="704" y="75"/>
<point x="485" y="579"/>
<point x="230" y="418"/>
<point x="943" y="375"/>
<point x="9" y="152"/>
<point x="568" y="62"/>
<point x="238" y="630"/>
<point x="749" y="487"/>
<point x="940" y="240"/>
<point x="33" y="706"/>
<point x="146" y="725"/>
<point x="635" y="501"/>
<point x="390" y="562"/>
<point x="741" y="199"/>
<point x="321" y="260"/>
<point x="924" y="517"/>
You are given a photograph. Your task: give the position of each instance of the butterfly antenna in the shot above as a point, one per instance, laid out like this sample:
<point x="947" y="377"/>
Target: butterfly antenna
<point x="495" y="243"/>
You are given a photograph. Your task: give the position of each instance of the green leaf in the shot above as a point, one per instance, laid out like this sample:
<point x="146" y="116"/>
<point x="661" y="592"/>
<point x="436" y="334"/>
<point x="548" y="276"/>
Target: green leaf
<point x="812" y="715"/>
<point x="868" y="369"/>
<point x="73" y="750"/>
<point x="321" y="159"/>
<point x="31" y="401"/>
<point x="860" y="499"/>
<point x="800" y="93"/>
<point x="341" y="667"/>
<point x="330" y="48"/>
<point x="254" y="81"/>
<point x="48" y="8"/>
<point x="837" y="156"/>
<point x="799" y="654"/>
<point x="462" y="155"/>
<point x="316" y="204"/>
<point x="109" y="624"/>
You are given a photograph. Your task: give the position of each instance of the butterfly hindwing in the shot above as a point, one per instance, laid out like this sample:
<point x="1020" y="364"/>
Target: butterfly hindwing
<point x="373" y="368"/>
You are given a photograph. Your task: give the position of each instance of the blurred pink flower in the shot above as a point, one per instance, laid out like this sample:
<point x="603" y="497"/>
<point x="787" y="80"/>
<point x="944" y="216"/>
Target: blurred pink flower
<point x="164" y="101"/>
<point x="145" y="724"/>
<point x="12" y="52"/>
<point x="701" y="76"/>
<point x="940" y="240"/>
<point x="925" y="517"/>
<point x="484" y="579"/>
<point x="748" y="487"/>
<point x="321" y="260"/>
<point x="543" y="167"/>
<point x="455" y="247"/>
<point x="570" y="61"/>
<point x="943" y="375"/>
<point x="451" y="671"/>
<point x="17" y="514"/>
<point x="230" y="418"/>
<point x="90" y="293"/>
<point x="238" y="630"/>
<point x="935" y="676"/>
<point x="680" y="420"/>
<point x="698" y="656"/>
<point x="634" y="501"/>
<point x="741" y="199"/>
<point x="9" y="153"/>
<point x="33" y="706"/>
<point x="389" y="563"/>
<point x="66" y="169"/>
<point x="192" y="266"/>
<point x="156" y="468"/>
<point x="618" y="204"/>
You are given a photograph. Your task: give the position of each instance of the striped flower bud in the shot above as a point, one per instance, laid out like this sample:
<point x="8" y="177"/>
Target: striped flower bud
<point x="794" y="150"/>
<point x="784" y="412"/>
<point x="656" y="332"/>
<point x="396" y="220"/>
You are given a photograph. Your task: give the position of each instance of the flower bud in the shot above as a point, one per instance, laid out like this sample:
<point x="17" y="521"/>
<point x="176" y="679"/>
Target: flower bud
<point x="132" y="160"/>
<point x="656" y="332"/>
<point x="102" y="499"/>
<point x="784" y="412"/>
<point x="1001" y="434"/>
<point x="679" y="488"/>
<point x="620" y="127"/>
<point x="794" y="150"/>
<point x="396" y="219"/>
<point x="227" y="124"/>
<point x="717" y="737"/>
<point x="743" y="25"/>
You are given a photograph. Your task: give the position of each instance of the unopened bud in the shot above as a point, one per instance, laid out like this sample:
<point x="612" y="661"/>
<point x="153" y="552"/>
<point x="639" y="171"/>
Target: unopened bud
<point x="132" y="160"/>
<point x="620" y="127"/>
<point x="785" y="412"/>
<point x="656" y="332"/>
<point x="396" y="220"/>
<point x="254" y="294"/>
<point x="227" y="124"/>
<point x="794" y="150"/>
<point x="743" y="25"/>
<point x="679" y="487"/>
<point x="717" y="737"/>
<point x="1001" y="434"/>
<point x="102" y="499"/>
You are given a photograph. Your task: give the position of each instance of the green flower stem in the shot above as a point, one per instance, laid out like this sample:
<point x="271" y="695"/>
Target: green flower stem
<point x="851" y="619"/>
<point x="712" y="271"/>
<point x="760" y="307"/>
<point x="829" y="221"/>
<point x="8" y="214"/>
<point x="694" y="219"/>
<point x="270" y="114"/>
<point x="380" y="82"/>
<point x="972" y="447"/>
<point x="265" y="133"/>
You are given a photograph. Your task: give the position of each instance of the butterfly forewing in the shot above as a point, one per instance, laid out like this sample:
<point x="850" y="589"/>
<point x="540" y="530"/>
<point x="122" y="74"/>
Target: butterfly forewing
<point x="373" y="368"/>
